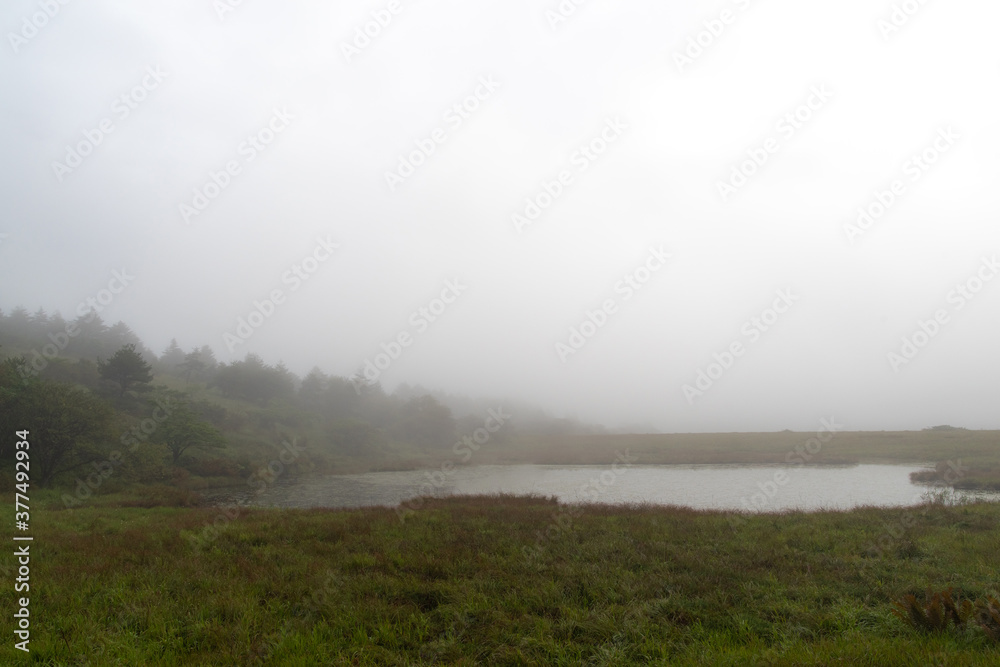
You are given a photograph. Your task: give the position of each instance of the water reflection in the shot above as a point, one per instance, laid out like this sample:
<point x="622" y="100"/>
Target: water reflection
<point x="730" y="487"/>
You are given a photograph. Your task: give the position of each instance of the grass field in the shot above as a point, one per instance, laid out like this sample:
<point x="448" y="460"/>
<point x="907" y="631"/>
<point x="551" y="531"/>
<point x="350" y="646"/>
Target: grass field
<point x="499" y="581"/>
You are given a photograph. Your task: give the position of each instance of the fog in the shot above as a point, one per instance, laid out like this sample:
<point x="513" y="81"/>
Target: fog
<point x="629" y="213"/>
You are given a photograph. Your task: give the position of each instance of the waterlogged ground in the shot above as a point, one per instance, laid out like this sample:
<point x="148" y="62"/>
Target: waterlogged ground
<point x="501" y="581"/>
<point x="722" y="487"/>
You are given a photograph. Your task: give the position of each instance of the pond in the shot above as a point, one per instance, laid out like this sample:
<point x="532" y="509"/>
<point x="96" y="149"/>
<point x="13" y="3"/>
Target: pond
<point x="725" y="487"/>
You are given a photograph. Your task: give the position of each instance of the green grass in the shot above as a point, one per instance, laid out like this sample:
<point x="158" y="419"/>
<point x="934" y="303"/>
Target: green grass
<point x="500" y="581"/>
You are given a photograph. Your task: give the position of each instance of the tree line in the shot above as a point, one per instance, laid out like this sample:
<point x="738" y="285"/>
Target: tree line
<point x="97" y="391"/>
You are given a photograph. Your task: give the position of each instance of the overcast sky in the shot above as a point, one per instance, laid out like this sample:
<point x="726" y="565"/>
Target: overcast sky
<point x="714" y="153"/>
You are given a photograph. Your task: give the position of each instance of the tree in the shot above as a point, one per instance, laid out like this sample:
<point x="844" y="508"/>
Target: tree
<point x="253" y="380"/>
<point x="17" y="326"/>
<point x="19" y="318"/>
<point x="342" y="398"/>
<point x="184" y="429"/>
<point x="172" y="357"/>
<point x="120" y="334"/>
<point x="57" y="322"/>
<point x="208" y="357"/>
<point x="126" y="368"/>
<point x="285" y="379"/>
<point x="15" y="376"/>
<point x="425" y="422"/>
<point x="354" y="437"/>
<point x="192" y="365"/>
<point x="92" y="340"/>
<point x="39" y="320"/>
<point x="66" y="425"/>
<point x="82" y="372"/>
<point x="311" y="390"/>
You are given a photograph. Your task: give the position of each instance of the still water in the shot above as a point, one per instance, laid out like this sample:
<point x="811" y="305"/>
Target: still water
<point x="728" y="487"/>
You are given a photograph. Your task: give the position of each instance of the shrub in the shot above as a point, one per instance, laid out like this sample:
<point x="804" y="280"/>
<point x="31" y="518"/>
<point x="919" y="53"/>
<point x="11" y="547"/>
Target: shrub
<point x="214" y="467"/>
<point x="146" y="465"/>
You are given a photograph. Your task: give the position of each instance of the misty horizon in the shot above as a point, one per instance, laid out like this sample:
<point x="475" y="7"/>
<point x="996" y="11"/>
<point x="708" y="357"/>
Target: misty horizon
<point x="652" y="217"/>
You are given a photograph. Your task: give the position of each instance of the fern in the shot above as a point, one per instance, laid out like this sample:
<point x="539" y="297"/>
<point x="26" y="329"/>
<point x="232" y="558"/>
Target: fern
<point x="988" y="617"/>
<point x="935" y="613"/>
